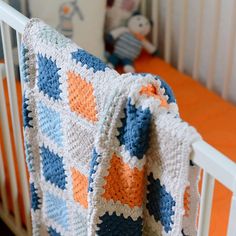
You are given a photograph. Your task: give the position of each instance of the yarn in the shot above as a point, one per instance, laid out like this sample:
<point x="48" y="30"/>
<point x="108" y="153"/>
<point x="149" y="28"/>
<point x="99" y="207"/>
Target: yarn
<point x="29" y="157"/>
<point x="53" y="169"/>
<point x="106" y="153"/>
<point x="50" y="123"/>
<point x="34" y="197"/>
<point x="48" y="77"/>
<point x="56" y="209"/>
<point x="135" y="130"/>
<point x="81" y="97"/>
<point x="124" y="184"/>
<point x="80" y="187"/>
<point x="119" y="226"/>
<point x="26" y="118"/>
<point x="93" y="165"/>
<point x="88" y="60"/>
<point x="160" y="203"/>
<point x="53" y="232"/>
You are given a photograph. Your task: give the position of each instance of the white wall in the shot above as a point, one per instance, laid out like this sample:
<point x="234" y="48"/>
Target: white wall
<point x="207" y="38"/>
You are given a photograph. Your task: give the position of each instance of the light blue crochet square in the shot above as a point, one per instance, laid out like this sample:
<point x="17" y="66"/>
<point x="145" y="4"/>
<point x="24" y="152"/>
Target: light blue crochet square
<point x="56" y="210"/>
<point x="50" y="123"/>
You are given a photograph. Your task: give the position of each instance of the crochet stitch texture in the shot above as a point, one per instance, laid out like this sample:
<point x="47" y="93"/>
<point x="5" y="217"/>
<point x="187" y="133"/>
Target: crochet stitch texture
<point x="107" y="153"/>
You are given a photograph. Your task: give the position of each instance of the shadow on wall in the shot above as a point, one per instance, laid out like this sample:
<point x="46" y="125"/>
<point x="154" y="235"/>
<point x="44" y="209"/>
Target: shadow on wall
<point x="15" y="4"/>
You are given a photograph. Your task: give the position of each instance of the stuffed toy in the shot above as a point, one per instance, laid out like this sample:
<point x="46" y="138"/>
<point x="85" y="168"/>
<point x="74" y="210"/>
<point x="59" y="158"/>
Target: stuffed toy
<point x="129" y="41"/>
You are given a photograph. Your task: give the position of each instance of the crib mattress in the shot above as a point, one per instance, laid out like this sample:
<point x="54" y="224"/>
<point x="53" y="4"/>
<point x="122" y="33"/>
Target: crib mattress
<point x="213" y="117"/>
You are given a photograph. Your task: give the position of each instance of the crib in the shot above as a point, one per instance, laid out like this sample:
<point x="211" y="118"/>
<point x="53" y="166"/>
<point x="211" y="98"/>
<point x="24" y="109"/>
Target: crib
<point x="214" y="164"/>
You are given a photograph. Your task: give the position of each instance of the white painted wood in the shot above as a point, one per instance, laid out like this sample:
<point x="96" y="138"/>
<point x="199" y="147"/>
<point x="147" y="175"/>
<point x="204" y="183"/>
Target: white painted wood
<point x="9" y="153"/>
<point x="18" y="40"/>
<point x="230" y="53"/>
<point x="12" y="17"/>
<point x="232" y="225"/>
<point x="205" y="204"/>
<point x="144" y="7"/>
<point x="154" y="17"/>
<point x="23" y="4"/>
<point x="214" y="47"/>
<point x="11" y="84"/>
<point x="3" y="182"/>
<point x="198" y="38"/>
<point x="182" y="34"/>
<point x="168" y="25"/>
<point x="215" y="163"/>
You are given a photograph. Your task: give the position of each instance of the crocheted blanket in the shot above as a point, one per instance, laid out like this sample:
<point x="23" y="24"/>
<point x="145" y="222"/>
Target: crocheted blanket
<point x="107" y="153"/>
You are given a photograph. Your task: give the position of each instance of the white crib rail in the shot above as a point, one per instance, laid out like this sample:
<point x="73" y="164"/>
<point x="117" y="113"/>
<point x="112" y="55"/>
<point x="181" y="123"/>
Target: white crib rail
<point x="214" y="164"/>
<point x="11" y="17"/>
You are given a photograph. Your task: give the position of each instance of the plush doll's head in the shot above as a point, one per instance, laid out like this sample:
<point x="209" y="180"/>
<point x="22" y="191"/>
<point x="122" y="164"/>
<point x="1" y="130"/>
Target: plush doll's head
<point x="139" y="24"/>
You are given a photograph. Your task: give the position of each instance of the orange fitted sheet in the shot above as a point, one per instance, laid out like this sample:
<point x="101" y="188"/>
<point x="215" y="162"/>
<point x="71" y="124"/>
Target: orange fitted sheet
<point x="214" y="118"/>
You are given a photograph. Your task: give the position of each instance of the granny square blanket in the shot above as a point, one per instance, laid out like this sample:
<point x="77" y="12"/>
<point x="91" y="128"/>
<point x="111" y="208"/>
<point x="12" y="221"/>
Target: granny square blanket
<point x="107" y="153"/>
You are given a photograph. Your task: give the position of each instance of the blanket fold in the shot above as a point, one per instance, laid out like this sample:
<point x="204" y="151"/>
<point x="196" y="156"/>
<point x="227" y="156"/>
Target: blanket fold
<point x="107" y="153"/>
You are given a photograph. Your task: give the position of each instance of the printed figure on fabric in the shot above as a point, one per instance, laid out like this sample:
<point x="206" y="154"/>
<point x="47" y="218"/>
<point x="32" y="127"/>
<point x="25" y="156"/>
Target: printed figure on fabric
<point x="66" y="13"/>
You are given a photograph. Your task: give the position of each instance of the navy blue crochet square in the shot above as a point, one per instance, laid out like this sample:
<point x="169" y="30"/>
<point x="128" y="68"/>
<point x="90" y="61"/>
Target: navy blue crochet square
<point x="119" y="225"/>
<point x="89" y="60"/>
<point x="134" y="133"/>
<point x="48" y="77"/>
<point x="53" y="169"/>
<point x="35" y="203"/>
<point x="53" y="232"/>
<point x="26" y="112"/>
<point x="160" y="203"/>
<point x="93" y="165"/>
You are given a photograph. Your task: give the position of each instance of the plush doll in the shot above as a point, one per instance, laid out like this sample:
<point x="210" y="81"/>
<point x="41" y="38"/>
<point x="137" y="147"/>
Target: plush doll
<point x="129" y="41"/>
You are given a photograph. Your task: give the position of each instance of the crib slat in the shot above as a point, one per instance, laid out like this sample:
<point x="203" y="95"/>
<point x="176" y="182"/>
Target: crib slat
<point x="154" y="15"/>
<point x="213" y="53"/>
<point x="182" y="35"/>
<point x="168" y="28"/>
<point x="144" y="7"/>
<point x="27" y="203"/>
<point x="230" y="54"/>
<point x="11" y="83"/>
<point x="205" y="204"/>
<point x="18" y="40"/>
<point x="232" y="217"/>
<point x="3" y="183"/>
<point x="23" y="6"/>
<point x="9" y="154"/>
<point x="198" y="37"/>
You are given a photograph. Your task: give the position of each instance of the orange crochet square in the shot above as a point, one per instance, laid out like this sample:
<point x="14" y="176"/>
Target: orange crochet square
<point x="80" y="187"/>
<point x="81" y="97"/>
<point x="124" y="184"/>
<point x="151" y="91"/>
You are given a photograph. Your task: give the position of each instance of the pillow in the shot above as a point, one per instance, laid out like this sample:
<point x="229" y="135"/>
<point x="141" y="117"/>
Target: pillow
<point x="118" y="11"/>
<point x="80" y="20"/>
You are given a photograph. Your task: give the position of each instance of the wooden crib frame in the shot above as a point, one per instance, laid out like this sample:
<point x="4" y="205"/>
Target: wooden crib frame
<point x="213" y="163"/>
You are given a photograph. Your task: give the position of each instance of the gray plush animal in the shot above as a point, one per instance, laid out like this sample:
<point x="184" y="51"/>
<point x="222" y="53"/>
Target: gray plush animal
<point x="129" y="41"/>
<point x="66" y="13"/>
